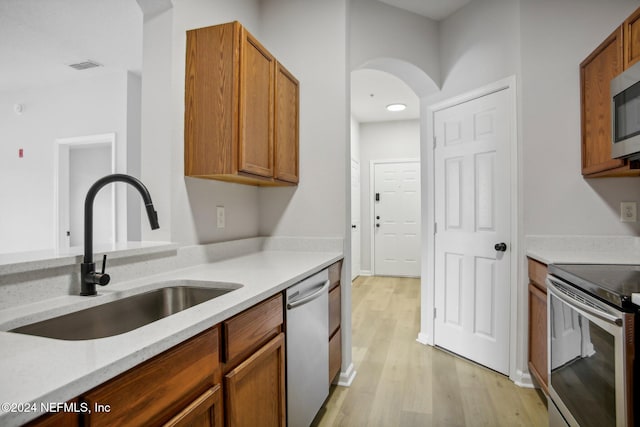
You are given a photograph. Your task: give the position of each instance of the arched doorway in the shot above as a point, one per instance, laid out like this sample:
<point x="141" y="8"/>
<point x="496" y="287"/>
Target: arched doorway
<point x="422" y="87"/>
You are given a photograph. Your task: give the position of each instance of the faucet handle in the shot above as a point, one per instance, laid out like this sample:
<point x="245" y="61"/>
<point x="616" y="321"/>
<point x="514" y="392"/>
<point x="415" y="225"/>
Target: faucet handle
<point x="102" y="278"/>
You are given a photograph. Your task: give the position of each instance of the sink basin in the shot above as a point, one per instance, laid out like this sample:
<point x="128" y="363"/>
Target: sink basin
<point x="126" y="314"/>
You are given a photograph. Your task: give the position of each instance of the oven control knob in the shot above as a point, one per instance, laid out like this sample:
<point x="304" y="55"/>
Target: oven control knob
<point x="500" y="247"/>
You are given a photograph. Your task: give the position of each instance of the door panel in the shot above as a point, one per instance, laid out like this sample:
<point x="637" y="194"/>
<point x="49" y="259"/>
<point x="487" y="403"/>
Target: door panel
<point x="397" y="215"/>
<point x="287" y="105"/>
<point x="472" y="215"/>
<point x="256" y="111"/>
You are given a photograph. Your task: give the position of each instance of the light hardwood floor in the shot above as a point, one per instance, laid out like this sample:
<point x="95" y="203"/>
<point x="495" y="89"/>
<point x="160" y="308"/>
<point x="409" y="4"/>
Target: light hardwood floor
<point x="401" y="382"/>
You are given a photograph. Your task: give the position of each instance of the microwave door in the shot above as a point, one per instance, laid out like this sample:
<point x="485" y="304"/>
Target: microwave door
<point x="625" y="114"/>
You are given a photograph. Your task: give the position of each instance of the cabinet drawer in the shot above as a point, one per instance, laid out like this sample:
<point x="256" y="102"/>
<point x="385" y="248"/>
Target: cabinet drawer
<point x="335" y="355"/>
<point x="334" y="310"/>
<point x="58" y="419"/>
<point x="334" y="274"/>
<point x="153" y="392"/>
<point x="253" y="327"/>
<point x="538" y="273"/>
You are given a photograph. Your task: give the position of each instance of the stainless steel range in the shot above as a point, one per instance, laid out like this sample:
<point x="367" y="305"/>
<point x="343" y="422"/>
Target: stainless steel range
<point x="592" y="345"/>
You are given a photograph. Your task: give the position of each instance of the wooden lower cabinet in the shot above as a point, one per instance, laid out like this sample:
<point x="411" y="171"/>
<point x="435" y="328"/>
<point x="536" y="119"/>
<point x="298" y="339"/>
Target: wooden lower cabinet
<point x="184" y="386"/>
<point x="255" y="389"/>
<point x="335" y="314"/>
<point x="159" y="389"/>
<point x="538" y="323"/>
<point x="59" y="419"/>
<point x="205" y="411"/>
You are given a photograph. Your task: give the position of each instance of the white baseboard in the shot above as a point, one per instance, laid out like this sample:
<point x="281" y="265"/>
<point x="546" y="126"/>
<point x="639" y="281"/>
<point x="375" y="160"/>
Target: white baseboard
<point x="365" y="273"/>
<point x="523" y="379"/>
<point x="346" y="377"/>
<point x="423" y="338"/>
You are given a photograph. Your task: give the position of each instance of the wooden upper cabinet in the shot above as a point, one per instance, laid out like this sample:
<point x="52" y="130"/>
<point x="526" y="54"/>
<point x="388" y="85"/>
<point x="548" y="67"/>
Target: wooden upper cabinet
<point x="632" y="39"/>
<point x="618" y="52"/>
<point x="595" y="74"/>
<point x="241" y="110"/>
<point x="287" y="100"/>
<point x="257" y="68"/>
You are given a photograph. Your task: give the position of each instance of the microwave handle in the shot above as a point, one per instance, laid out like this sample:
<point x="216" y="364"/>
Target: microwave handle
<point x="556" y="288"/>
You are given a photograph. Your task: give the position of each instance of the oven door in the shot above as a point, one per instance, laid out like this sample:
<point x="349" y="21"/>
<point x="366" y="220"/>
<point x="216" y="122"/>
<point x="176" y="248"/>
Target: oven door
<point x="590" y="370"/>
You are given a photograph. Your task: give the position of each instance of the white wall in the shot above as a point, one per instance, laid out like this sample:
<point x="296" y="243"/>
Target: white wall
<point x="382" y="31"/>
<point x="479" y="44"/>
<point x="186" y="207"/>
<point x="309" y="38"/>
<point x="382" y="141"/>
<point x="92" y="105"/>
<point x="134" y="118"/>
<point x="557" y="200"/>
<point x="355" y="139"/>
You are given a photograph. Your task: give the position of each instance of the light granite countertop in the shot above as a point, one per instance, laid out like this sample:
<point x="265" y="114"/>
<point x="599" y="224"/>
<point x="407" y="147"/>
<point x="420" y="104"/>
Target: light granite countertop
<point x="42" y="370"/>
<point x="584" y="249"/>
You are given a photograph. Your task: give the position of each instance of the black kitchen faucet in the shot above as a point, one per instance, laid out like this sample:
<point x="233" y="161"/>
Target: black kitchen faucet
<point x="89" y="278"/>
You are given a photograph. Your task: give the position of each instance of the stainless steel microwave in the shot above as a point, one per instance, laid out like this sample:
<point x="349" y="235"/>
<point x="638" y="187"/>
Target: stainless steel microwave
<point x="625" y="114"/>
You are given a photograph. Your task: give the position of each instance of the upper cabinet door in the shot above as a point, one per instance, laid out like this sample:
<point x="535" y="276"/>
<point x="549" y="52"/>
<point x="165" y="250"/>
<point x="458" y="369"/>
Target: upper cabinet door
<point x="632" y="39"/>
<point x="595" y="74"/>
<point x="257" y="69"/>
<point x="286" y="125"/>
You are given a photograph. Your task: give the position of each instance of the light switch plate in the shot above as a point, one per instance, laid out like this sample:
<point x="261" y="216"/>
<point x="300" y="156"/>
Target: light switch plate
<point x="220" y="221"/>
<point x="628" y="212"/>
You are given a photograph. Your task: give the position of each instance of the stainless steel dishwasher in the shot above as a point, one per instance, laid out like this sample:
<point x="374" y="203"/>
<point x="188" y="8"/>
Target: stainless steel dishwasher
<point x="307" y="337"/>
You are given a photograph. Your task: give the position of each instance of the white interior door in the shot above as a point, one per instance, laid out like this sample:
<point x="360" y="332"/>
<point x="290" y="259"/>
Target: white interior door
<point x="473" y="211"/>
<point x="397" y="219"/>
<point x="355" y="219"/>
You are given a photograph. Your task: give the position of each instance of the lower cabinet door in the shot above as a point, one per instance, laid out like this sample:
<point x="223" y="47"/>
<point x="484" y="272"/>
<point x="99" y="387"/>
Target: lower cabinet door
<point x="205" y="411"/>
<point x="255" y="389"/>
<point x="335" y="355"/>
<point x="538" y="336"/>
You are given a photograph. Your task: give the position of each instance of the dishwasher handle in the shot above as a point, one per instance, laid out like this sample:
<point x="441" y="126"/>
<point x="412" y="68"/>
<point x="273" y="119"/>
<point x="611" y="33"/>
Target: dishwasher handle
<point x="308" y="298"/>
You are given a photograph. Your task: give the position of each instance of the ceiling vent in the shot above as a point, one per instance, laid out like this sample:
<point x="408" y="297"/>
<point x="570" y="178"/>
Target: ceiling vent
<point x="85" y="65"/>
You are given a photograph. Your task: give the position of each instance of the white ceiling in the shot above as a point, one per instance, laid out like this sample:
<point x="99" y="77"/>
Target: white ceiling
<point x="39" y="39"/>
<point x="434" y="9"/>
<point x="373" y="90"/>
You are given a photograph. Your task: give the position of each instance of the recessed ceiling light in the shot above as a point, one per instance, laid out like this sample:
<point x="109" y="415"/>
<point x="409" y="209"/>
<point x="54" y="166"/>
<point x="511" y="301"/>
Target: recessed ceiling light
<point x="396" y="107"/>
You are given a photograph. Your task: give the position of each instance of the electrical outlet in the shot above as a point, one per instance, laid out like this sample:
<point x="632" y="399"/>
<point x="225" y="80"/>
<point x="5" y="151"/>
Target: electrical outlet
<point x="628" y="212"/>
<point x="220" y="216"/>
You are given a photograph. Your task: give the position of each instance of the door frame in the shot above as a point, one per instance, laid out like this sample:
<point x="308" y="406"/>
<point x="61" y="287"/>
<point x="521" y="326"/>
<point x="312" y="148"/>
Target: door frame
<point x="372" y="193"/>
<point x="359" y="243"/>
<point x="518" y="299"/>
<point x="61" y="174"/>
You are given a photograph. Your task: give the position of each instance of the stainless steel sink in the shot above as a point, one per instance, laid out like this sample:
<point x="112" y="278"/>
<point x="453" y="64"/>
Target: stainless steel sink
<point x="126" y="314"/>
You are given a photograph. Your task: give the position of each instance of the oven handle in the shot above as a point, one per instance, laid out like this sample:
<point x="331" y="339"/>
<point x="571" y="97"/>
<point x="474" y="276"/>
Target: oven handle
<point x="557" y="289"/>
